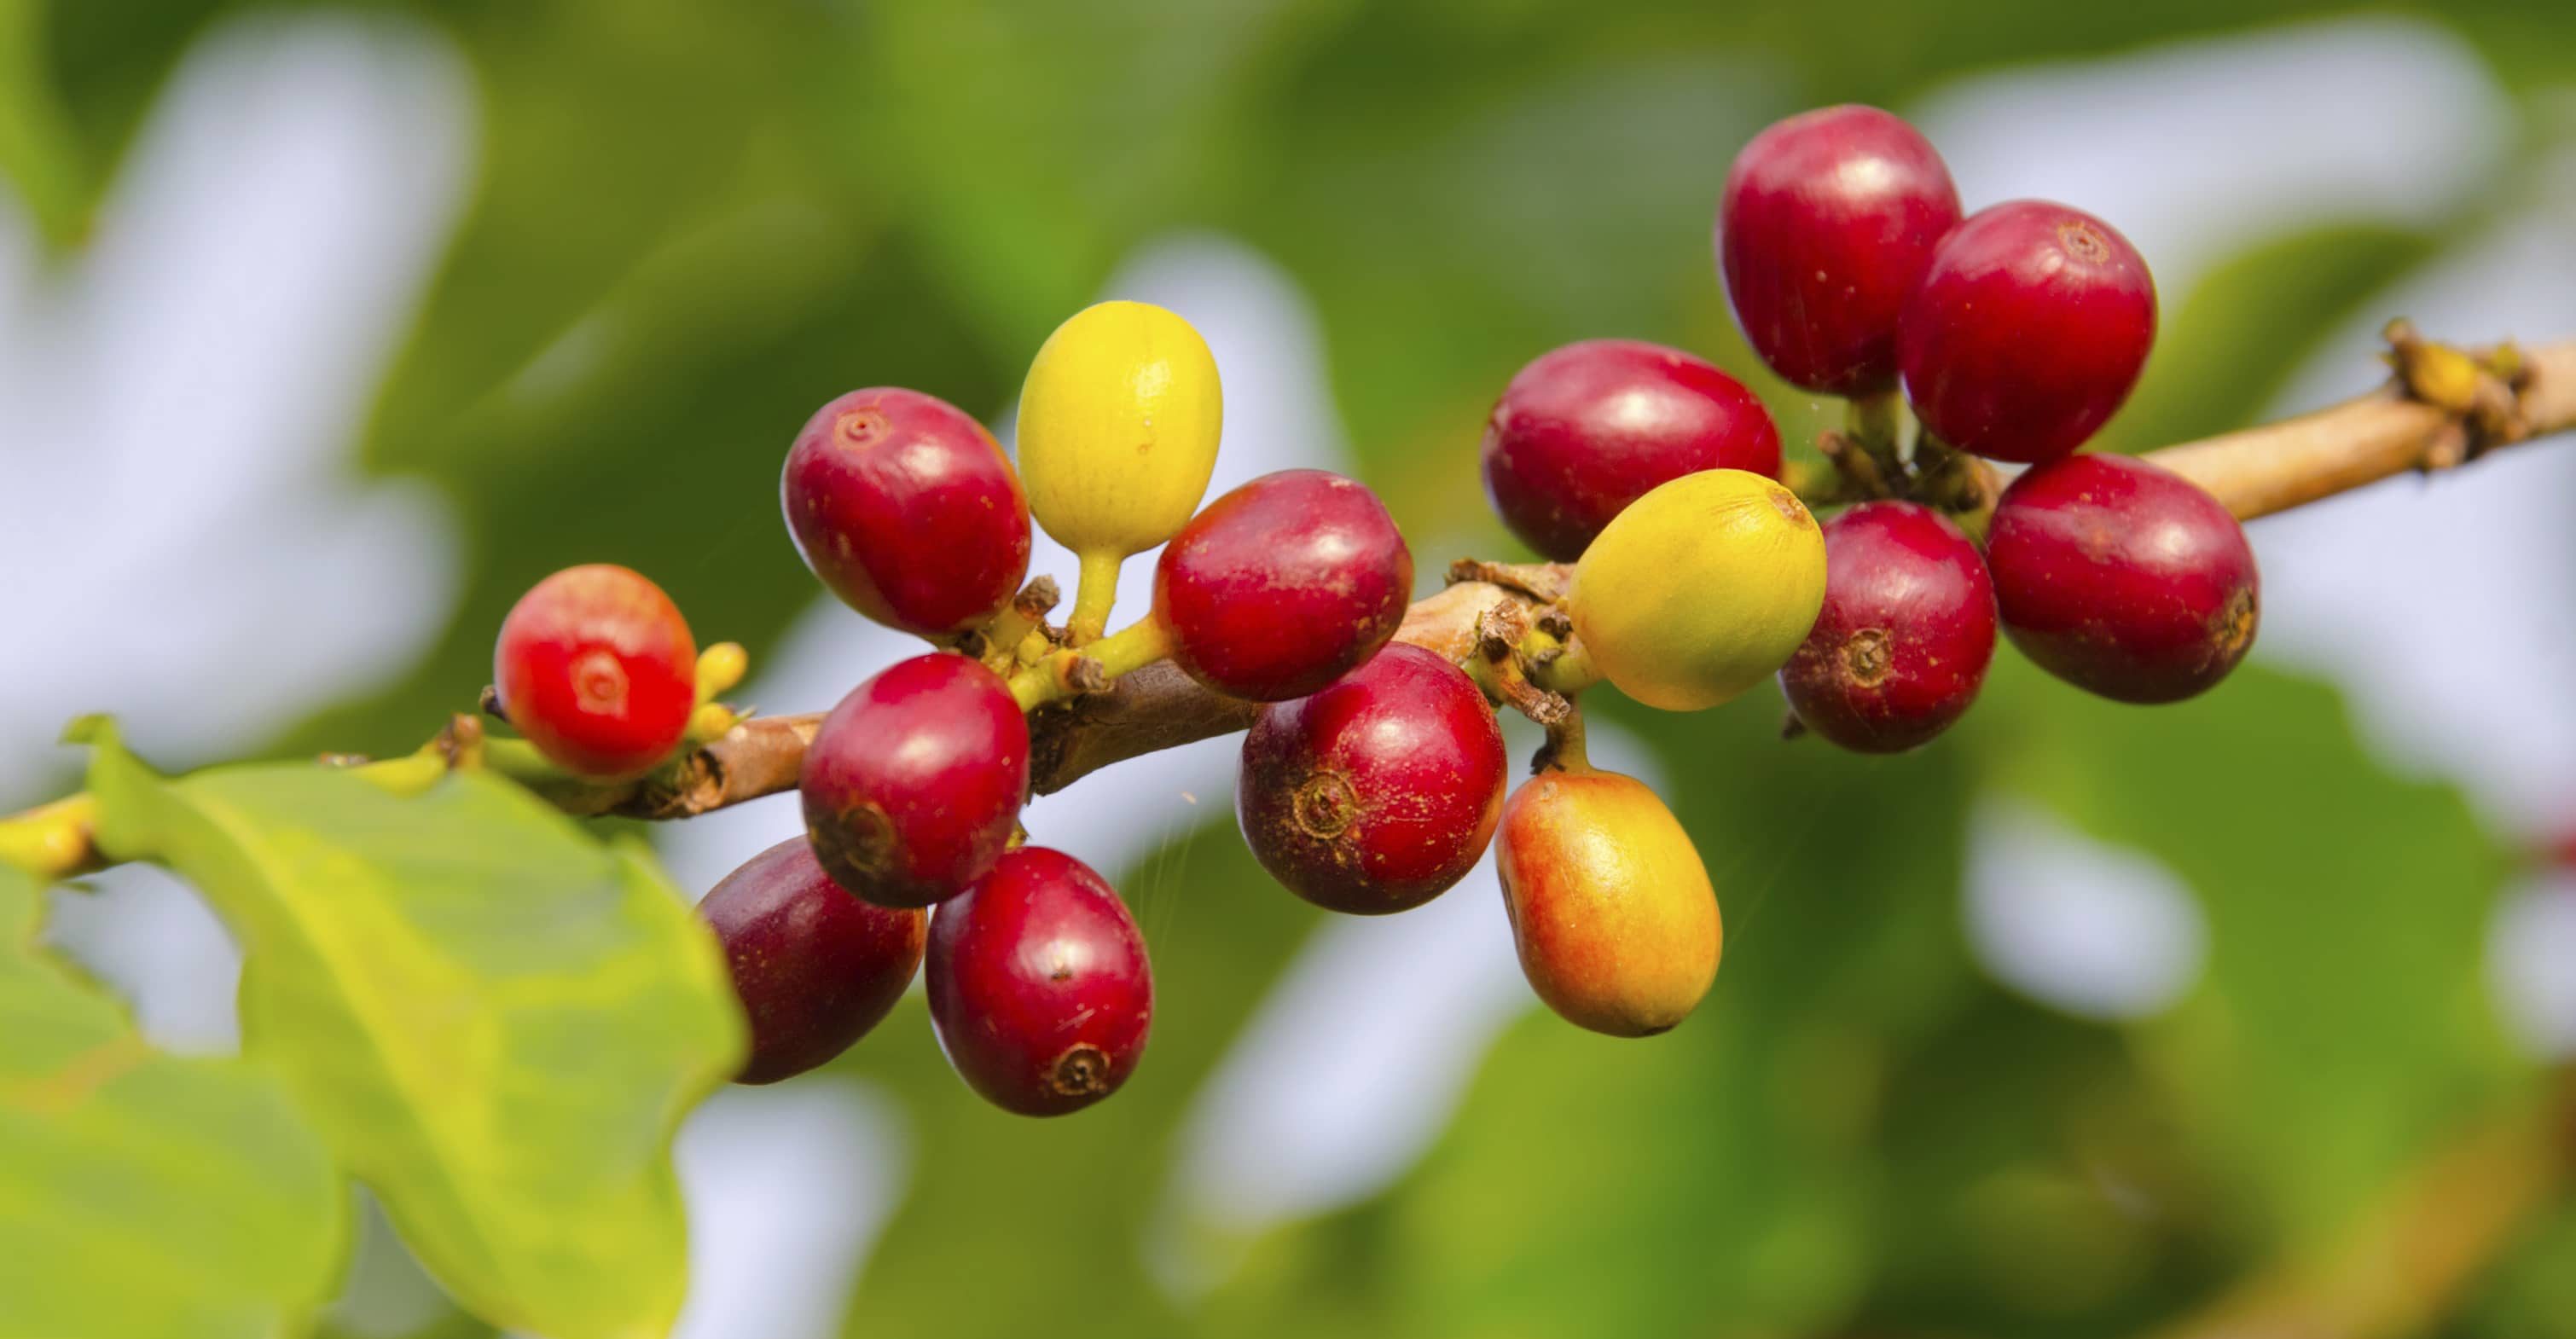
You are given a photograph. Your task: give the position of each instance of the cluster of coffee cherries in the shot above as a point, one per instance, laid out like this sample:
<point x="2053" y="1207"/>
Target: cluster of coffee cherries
<point x="2013" y="334"/>
<point x="1683" y="572"/>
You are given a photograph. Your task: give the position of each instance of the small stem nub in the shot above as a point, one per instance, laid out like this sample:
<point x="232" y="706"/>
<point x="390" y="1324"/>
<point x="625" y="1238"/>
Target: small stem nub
<point x="1563" y="751"/>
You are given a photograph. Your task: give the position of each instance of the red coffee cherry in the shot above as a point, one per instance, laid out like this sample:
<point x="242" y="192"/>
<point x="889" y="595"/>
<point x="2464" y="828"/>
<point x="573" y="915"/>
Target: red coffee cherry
<point x="1828" y="222"/>
<point x="1907" y="630"/>
<point x="1039" y="988"/>
<point x="2027" y="332"/>
<point x="906" y="508"/>
<point x="912" y="783"/>
<point x="1283" y="585"/>
<point x="1587" y="429"/>
<point x="2123" y="578"/>
<point x="596" y="667"/>
<point x="1377" y="793"/>
<point x="815" y="967"/>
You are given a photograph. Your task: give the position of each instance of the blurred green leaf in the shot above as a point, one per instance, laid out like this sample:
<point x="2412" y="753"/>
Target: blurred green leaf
<point x="2344" y="1021"/>
<point x="496" y="1022"/>
<point x="37" y="155"/>
<point x="143" y="1195"/>
<point x="2229" y="345"/>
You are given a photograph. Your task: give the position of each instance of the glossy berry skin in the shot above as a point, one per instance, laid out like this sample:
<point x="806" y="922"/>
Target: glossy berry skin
<point x="1379" y="792"/>
<point x="1907" y="629"/>
<point x="596" y="667"/>
<point x="1587" y="429"/>
<point x="881" y="479"/>
<point x="1611" y="909"/>
<point x="2123" y="578"/>
<point x="1828" y="221"/>
<point x="815" y="967"/>
<point x="2028" y="332"/>
<point x="1701" y="590"/>
<point x="1283" y="585"/>
<point x="912" y="783"/>
<point x="1039" y="988"/>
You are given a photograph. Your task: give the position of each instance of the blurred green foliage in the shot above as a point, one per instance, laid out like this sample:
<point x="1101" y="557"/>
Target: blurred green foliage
<point x="693" y="223"/>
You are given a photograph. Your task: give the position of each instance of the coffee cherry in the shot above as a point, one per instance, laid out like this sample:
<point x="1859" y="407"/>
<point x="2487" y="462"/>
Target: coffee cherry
<point x="2123" y="578"/>
<point x="1616" y="923"/>
<point x="1907" y="629"/>
<point x="2028" y="331"/>
<point x="1586" y="429"/>
<point x="1700" y="589"/>
<point x="596" y="667"/>
<point x="1118" y="431"/>
<point x="1283" y="585"/>
<point x="912" y="783"/>
<point x="906" y="508"/>
<point x="1377" y="793"/>
<point x="1039" y="988"/>
<point x="815" y="967"/>
<point x="1828" y="222"/>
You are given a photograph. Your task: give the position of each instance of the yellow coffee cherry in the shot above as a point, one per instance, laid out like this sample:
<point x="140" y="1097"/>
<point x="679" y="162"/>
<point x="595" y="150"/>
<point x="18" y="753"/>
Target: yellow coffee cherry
<point x="1700" y="589"/>
<point x="1118" y="431"/>
<point x="1611" y="909"/>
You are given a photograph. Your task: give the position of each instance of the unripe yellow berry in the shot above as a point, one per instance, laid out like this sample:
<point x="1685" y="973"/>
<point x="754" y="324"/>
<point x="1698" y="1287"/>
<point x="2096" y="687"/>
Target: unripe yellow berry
<point x="1118" y="430"/>
<point x="1700" y="589"/>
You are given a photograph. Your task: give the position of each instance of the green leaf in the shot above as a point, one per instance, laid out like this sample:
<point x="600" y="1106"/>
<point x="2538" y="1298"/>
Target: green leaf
<point x="495" y="1021"/>
<point x="142" y="1194"/>
<point x="2344" y="1024"/>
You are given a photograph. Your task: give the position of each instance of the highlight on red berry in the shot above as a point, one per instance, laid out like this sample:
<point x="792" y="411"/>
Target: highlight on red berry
<point x="912" y="784"/>
<point x="597" y="668"/>
<point x="905" y="507"/>
<point x="1586" y="429"/>
<point x="1379" y="792"/>
<point x="814" y="967"/>
<point x="2123" y="578"/>
<point x="2028" y="332"/>
<point x="1828" y="221"/>
<point x="1901" y="646"/>
<point x="1039" y="987"/>
<point x="1283" y="585"/>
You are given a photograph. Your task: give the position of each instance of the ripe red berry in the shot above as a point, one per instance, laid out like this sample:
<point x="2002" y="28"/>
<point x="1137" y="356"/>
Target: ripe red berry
<point x="1587" y="429"/>
<point x="1377" y="793"/>
<point x="1283" y="585"/>
<point x="1828" y="221"/>
<point x="1039" y="988"/>
<point x="1907" y="630"/>
<point x="2122" y="578"/>
<point x="596" y="667"/>
<point x="906" y="508"/>
<point x="815" y="968"/>
<point x="913" y="781"/>
<point x="2027" y="332"/>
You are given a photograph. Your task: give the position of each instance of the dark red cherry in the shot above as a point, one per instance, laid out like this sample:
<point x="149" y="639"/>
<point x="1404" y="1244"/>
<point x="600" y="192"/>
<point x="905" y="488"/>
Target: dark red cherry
<point x="906" y="508"/>
<point x="1587" y="429"/>
<point x="815" y="968"/>
<point x="1380" y="791"/>
<point x="1039" y="988"/>
<point x="2123" y="578"/>
<point x="1907" y="629"/>
<point x="596" y="667"/>
<point x="1283" y="585"/>
<point x="912" y="783"/>
<point x="2028" y="331"/>
<point x="1828" y="222"/>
